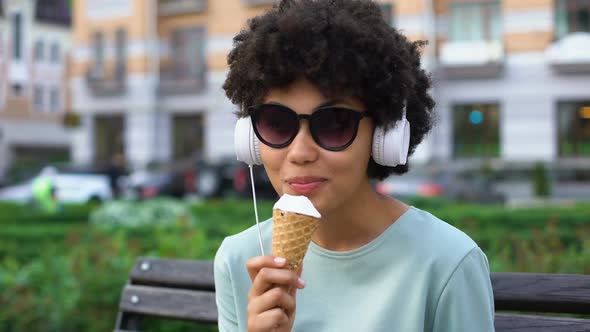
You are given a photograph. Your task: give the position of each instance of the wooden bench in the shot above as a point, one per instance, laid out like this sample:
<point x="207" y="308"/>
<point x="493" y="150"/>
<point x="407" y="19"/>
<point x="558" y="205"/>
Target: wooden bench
<point x="184" y="289"/>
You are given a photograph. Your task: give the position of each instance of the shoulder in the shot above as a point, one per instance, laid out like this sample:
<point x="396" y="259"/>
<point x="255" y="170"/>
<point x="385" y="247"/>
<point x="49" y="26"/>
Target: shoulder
<point x="442" y="246"/>
<point x="437" y="233"/>
<point x="447" y="256"/>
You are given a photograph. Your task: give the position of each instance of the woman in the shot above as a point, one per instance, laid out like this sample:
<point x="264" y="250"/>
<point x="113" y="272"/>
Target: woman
<point x="317" y="78"/>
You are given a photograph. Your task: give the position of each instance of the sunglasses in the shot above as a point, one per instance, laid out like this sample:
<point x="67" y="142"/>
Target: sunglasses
<point x="332" y="128"/>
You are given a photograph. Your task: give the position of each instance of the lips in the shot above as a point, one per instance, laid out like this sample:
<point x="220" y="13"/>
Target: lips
<point x="305" y="185"/>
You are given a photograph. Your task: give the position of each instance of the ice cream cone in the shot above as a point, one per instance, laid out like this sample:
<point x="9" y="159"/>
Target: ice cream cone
<point x="291" y="236"/>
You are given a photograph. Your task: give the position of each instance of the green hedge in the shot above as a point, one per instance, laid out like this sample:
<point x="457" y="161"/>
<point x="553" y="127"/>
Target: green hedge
<point x="72" y="274"/>
<point x="12" y="213"/>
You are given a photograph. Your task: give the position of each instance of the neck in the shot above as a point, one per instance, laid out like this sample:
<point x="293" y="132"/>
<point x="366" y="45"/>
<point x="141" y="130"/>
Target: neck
<point x="359" y="221"/>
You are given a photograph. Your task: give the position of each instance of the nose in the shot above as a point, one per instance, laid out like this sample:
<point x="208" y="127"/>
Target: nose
<point x="303" y="149"/>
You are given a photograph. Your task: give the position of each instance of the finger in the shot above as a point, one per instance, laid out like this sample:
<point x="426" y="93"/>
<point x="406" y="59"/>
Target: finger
<point x="255" y="264"/>
<point x="275" y="297"/>
<point x="268" y="278"/>
<point x="293" y="290"/>
<point x="268" y="320"/>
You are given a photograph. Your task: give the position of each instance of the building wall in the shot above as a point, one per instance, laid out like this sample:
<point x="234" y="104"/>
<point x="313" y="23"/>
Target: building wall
<point x="148" y="118"/>
<point x="21" y="124"/>
<point x="3" y="62"/>
<point x="527" y="90"/>
<point x="527" y="93"/>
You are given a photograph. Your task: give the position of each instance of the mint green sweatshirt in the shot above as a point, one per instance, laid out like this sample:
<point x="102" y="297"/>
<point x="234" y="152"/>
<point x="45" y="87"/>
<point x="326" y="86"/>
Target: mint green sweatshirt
<point x="421" y="274"/>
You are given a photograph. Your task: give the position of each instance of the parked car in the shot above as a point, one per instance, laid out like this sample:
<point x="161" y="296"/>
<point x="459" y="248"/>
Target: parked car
<point x="229" y="177"/>
<point x="83" y="188"/>
<point x="70" y="188"/>
<point x="457" y="186"/>
<point x="243" y="184"/>
<point x="215" y="179"/>
<point x="176" y="179"/>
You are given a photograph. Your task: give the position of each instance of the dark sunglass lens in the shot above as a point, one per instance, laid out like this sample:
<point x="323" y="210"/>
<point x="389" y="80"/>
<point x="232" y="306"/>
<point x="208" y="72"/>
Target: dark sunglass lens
<point x="334" y="127"/>
<point x="276" y="125"/>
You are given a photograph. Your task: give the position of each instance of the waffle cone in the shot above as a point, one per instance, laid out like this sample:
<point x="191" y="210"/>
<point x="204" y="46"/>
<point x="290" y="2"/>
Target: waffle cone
<point x="291" y="234"/>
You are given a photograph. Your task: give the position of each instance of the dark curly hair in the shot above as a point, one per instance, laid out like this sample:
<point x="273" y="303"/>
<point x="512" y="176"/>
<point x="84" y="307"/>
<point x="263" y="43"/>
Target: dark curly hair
<point x="344" y="48"/>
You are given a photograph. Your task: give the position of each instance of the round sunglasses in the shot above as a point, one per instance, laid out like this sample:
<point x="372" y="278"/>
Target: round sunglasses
<point x="332" y="128"/>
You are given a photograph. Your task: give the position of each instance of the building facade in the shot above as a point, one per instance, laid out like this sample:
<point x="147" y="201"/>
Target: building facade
<point x="34" y="48"/>
<point x="511" y="78"/>
<point x="147" y="78"/>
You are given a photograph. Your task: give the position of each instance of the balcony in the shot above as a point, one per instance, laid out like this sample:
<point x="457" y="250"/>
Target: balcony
<point x="181" y="7"/>
<point x="107" y="84"/>
<point x="571" y="54"/>
<point x="472" y="59"/>
<point x="259" y="2"/>
<point x="178" y="80"/>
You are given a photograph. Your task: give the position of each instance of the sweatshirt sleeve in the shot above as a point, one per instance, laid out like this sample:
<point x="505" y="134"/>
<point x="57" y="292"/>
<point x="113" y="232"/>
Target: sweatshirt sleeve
<point x="224" y="296"/>
<point x="467" y="301"/>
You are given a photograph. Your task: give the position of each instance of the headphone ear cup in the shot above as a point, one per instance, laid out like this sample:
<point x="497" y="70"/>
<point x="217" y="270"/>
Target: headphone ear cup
<point x="404" y="136"/>
<point x="377" y="150"/>
<point x="246" y="144"/>
<point x="390" y="147"/>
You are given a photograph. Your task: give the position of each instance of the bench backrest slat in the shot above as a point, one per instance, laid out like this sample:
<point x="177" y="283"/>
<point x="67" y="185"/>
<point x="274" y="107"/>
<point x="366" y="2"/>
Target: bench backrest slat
<point x="525" y="323"/>
<point x="171" y="303"/>
<point x="173" y="273"/>
<point x="533" y="292"/>
<point x="185" y="289"/>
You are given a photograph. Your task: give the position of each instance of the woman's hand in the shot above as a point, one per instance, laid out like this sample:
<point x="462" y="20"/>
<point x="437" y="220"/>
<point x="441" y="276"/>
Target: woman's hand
<point x="271" y="300"/>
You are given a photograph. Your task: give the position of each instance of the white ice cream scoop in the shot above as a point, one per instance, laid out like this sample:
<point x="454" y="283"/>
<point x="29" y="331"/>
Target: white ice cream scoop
<point x="297" y="204"/>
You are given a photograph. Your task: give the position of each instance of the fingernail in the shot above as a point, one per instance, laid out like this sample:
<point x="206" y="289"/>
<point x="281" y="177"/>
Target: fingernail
<point x="301" y="282"/>
<point x="280" y="260"/>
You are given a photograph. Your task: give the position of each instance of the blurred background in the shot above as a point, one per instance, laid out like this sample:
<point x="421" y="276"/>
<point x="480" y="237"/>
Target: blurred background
<point x="132" y="89"/>
<point x="116" y="140"/>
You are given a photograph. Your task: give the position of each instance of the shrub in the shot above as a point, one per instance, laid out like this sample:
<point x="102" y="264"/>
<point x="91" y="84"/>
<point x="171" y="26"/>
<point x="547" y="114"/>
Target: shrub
<point x="72" y="280"/>
<point x="16" y="213"/>
<point x="130" y="214"/>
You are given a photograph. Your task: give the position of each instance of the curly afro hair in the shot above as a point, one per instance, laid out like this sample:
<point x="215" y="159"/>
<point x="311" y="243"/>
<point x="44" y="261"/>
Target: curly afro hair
<point x="344" y="48"/>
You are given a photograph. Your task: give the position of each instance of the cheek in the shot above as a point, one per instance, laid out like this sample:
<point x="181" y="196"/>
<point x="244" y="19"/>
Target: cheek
<point x="360" y="150"/>
<point x="351" y="164"/>
<point x="272" y="161"/>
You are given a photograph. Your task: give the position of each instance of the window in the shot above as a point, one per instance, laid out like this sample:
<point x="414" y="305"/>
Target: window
<point x="38" y="98"/>
<point x="572" y="16"/>
<point x="98" y="52"/>
<point x="188" y="52"/>
<point x="181" y="7"/>
<point x="109" y="137"/>
<point x="54" y="99"/>
<point x="188" y="135"/>
<point x="55" y="53"/>
<point x="121" y="51"/>
<point x="17" y="36"/>
<point x="475" y="21"/>
<point x="39" y="50"/>
<point x="476" y="131"/>
<point x="574" y="128"/>
<point x="17" y="89"/>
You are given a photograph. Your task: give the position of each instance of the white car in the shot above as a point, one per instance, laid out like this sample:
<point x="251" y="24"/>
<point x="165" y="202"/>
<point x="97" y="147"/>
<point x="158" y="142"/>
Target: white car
<point x="70" y="188"/>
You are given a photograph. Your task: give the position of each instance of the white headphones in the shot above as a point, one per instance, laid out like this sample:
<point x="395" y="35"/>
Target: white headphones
<point x="390" y="147"/>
